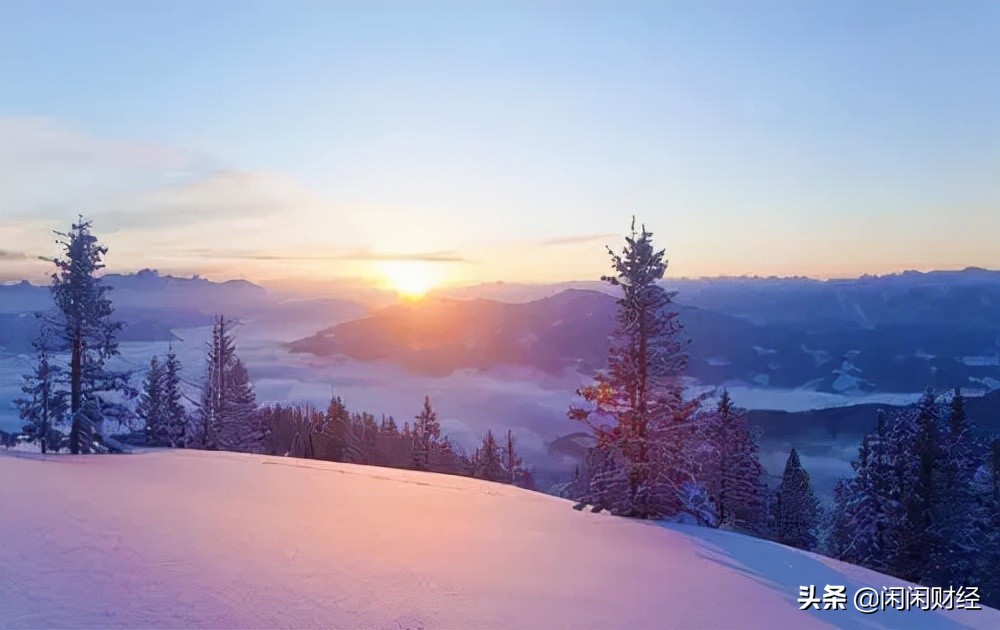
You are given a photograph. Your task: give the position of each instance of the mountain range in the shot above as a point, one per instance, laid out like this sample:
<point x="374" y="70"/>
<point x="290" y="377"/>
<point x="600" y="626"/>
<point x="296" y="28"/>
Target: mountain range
<point x="152" y="305"/>
<point x="896" y="333"/>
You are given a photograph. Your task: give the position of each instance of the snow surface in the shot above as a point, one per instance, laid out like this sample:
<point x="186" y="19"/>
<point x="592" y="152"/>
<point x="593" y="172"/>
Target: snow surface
<point x="187" y="538"/>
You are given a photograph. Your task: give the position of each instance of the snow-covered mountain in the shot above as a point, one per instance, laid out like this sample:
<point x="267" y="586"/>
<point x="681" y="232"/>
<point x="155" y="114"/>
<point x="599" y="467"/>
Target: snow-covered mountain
<point x="969" y="296"/>
<point x="760" y="333"/>
<point x="211" y="539"/>
<point x="152" y="305"/>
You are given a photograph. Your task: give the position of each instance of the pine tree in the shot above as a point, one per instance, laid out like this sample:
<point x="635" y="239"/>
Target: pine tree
<point x="87" y="329"/>
<point x="219" y="361"/>
<point x="240" y="427"/>
<point x="337" y="424"/>
<point x="734" y="481"/>
<point x="796" y="509"/>
<point x="869" y="507"/>
<point x="919" y="540"/>
<point x="175" y="415"/>
<point x="635" y="408"/>
<point x="44" y="404"/>
<point x="228" y="405"/>
<point x="426" y="431"/>
<point x="151" y="408"/>
<point x="488" y="460"/>
<point x="958" y="515"/>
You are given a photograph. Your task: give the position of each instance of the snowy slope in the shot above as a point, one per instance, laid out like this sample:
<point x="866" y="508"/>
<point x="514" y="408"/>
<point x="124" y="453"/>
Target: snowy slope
<point x="184" y="538"/>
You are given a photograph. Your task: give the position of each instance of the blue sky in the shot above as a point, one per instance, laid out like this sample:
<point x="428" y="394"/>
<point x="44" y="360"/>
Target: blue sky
<point x="501" y="140"/>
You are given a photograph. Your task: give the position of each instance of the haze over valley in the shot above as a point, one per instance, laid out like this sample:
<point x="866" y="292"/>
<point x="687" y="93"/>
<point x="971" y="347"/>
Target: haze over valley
<point x="506" y="355"/>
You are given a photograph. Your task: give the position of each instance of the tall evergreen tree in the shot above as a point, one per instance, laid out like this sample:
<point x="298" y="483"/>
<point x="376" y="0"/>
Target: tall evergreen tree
<point x="919" y="539"/>
<point x="635" y="408"/>
<point x="228" y="406"/>
<point x="960" y="518"/>
<point x="175" y="414"/>
<point x="337" y="424"/>
<point x="426" y="432"/>
<point x="869" y="509"/>
<point x="734" y="478"/>
<point x="219" y="361"/>
<point x="151" y="405"/>
<point x="796" y="509"/>
<point x="86" y="327"/>
<point x="44" y="404"/>
<point x="487" y="461"/>
<point x="240" y="427"/>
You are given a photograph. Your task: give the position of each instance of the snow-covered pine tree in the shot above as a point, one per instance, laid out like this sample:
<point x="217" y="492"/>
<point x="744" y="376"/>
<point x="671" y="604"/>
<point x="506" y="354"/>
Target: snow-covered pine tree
<point x="84" y="323"/>
<point x="796" y="508"/>
<point x="228" y="418"/>
<point x="240" y="426"/>
<point x="734" y="481"/>
<point x="869" y="510"/>
<point x="635" y="408"/>
<point x="175" y="414"/>
<point x="488" y="459"/>
<point x="918" y="540"/>
<point x="45" y="402"/>
<point x="426" y="431"/>
<point x="219" y="360"/>
<point x="959" y="518"/>
<point x="838" y="541"/>
<point x="150" y="408"/>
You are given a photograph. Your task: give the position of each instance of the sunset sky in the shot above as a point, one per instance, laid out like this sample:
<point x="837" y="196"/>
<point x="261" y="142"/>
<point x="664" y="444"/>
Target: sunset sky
<point x="480" y="141"/>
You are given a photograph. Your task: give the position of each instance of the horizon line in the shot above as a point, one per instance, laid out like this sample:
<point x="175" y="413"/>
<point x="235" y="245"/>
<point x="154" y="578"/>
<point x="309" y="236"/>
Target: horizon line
<point x="352" y="279"/>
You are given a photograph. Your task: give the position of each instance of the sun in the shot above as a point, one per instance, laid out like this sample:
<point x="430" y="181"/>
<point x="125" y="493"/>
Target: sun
<point x="411" y="279"/>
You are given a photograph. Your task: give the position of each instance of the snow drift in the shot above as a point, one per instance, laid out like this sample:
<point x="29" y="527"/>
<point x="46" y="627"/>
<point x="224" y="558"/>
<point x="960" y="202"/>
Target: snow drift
<point x="187" y="538"/>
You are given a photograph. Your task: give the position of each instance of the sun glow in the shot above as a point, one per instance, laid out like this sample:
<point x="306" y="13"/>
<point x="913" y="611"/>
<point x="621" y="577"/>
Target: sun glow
<point x="411" y="279"/>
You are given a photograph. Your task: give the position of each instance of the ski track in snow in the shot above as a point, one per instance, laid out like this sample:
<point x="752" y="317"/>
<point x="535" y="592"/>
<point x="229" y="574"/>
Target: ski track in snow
<point x="197" y="539"/>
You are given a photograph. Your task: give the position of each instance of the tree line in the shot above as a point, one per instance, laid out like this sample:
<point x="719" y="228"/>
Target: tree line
<point x="924" y="501"/>
<point x="225" y="415"/>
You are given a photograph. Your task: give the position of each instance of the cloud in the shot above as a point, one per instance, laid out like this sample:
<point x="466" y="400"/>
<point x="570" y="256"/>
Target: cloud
<point x="50" y="170"/>
<point x="353" y="255"/>
<point x="29" y="142"/>
<point x="9" y="255"/>
<point x="574" y="240"/>
<point x="157" y="206"/>
<point x="443" y="256"/>
<point x="232" y="195"/>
